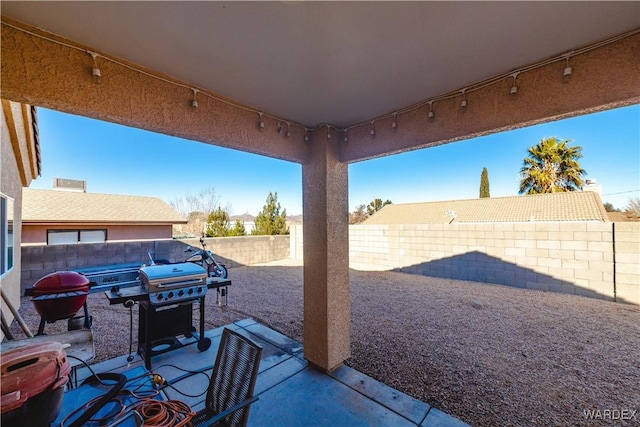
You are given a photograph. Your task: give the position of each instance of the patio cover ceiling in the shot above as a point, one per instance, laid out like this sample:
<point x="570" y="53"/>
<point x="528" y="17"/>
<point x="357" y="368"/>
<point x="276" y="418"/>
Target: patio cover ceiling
<point x="338" y="63"/>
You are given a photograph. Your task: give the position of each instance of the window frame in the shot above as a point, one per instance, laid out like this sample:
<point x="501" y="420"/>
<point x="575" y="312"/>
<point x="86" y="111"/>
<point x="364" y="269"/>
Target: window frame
<point x="78" y="232"/>
<point x="7" y="223"/>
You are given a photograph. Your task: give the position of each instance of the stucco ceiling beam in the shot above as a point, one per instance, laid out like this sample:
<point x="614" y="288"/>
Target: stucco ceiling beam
<point x="603" y="78"/>
<point x="58" y="75"/>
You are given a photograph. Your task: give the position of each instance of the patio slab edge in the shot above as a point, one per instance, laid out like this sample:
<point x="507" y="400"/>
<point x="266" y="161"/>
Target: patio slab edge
<point x="414" y="410"/>
<point x="437" y="418"/>
<point x="398" y="402"/>
<point x="277" y="339"/>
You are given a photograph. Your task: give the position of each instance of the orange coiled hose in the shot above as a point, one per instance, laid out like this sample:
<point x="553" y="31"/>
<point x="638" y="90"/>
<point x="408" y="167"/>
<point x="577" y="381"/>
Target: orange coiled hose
<point x="167" y="413"/>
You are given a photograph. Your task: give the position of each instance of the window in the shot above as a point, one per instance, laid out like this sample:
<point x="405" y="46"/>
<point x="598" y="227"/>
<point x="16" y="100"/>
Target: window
<point x="55" y="237"/>
<point x="67" y="237"/>
<point x="92" y="236"/>
<point x="6" y="234"/>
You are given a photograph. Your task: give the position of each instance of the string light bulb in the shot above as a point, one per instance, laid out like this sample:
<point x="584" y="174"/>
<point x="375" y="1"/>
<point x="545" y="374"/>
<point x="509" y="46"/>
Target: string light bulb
<point x="288" y="133"/>
<point x="463" y="104"/>
<point x="279" y="127"/>
<point x="260" y="122"/>
<point x="194" y="102"/>
<point x="328" y="132"/>
<point x="306" y="135"/>
<point x="566" y="73"/>
<point x="431" y="115"/>
<point x="346" y="137"/>
<point x="372" y="132"/>
<point x="514" y="88"/>
<point x="394" y="124"/>
<point x="97" y="75"/>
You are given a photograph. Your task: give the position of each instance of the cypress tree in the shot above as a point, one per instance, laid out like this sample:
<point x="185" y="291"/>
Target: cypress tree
<point x="484" y="184"/>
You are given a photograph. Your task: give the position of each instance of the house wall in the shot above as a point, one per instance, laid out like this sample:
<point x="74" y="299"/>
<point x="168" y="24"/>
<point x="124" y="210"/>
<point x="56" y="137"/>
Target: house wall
<point x="11" y="186"/>
<point x="575" y="258"/>
<point x="38" y="261"/>
<point x="17" y="169"/>
<point x="37" y="234"/>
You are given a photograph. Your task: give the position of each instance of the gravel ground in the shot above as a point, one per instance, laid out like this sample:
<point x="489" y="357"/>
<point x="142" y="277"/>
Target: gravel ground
<point x="487" y="354"/>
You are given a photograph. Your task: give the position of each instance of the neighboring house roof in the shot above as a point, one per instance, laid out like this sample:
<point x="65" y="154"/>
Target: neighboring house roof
<point x="622" y="217"/>
<point x="568" y="206"/>
<point x="58" y="206"/>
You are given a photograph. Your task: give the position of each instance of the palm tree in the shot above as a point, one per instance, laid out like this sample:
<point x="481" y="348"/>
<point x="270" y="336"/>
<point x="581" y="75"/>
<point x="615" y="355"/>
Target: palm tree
<point x="551" y="167"/>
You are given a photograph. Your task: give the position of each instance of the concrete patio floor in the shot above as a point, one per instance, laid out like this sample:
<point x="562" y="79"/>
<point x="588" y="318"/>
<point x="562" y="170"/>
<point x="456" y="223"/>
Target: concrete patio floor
<point x="291" y="392"/>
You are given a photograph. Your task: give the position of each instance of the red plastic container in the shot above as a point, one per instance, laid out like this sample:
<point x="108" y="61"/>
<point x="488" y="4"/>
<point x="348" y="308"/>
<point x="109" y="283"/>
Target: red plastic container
<point x="60" y="295"/>
<point x="32" y="382"/>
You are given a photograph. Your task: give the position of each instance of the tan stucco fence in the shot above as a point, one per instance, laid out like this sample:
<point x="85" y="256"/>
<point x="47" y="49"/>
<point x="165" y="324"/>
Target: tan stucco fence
<point x="598" y="260"/>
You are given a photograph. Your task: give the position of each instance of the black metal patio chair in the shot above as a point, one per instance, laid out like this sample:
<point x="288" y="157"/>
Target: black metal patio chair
<point x="230" y="391"/>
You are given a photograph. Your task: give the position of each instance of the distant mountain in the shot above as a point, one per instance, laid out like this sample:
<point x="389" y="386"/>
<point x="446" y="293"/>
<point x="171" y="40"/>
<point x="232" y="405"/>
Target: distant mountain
<point x="250" y="218"/>
<point x="244" y="217"/>
<point x="294" y="218"/>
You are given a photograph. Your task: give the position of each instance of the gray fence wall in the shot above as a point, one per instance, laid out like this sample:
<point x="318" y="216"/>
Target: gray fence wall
<point x="600" y="260"/>
<point x="38" y="261"/>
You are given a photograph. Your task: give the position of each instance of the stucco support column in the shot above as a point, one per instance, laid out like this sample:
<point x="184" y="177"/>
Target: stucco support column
<point x="326" y="255"/>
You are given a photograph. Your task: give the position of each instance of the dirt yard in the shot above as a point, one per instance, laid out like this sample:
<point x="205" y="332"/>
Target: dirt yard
<point x="487" y="354"/>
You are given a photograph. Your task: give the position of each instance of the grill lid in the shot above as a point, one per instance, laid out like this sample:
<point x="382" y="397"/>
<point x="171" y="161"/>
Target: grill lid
<point x="59" y="295"/>
<point x="61" y="281"/>
<point x="157" y="277"/>
<point x="171" y="271"/>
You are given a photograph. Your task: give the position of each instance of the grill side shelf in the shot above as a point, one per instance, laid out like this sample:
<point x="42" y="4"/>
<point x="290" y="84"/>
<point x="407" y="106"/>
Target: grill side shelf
<point x="136" y="293"/>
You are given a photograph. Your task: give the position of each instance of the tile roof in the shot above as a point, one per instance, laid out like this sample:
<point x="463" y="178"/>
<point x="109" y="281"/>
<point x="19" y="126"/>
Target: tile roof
<point x="622" y="217"/>
<point x="568" y="206"/>
<point x="60" y="206"/>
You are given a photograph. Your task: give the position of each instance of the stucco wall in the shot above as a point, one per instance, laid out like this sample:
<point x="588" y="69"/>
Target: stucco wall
<point x="38" y="261"/>
<point x="576" y="258"/>
<point x="17" y="169"/>
<point x="37" y="234"/>
<point x="11" y="186"/>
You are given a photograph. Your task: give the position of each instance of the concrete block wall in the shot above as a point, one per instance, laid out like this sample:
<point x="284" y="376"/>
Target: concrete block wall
<point x="295" y="241"/>
<point x="38" y="261"/>
<point x="575" y="258"/>
<point x="245" y="250"/>
<point x="627" y="260"/>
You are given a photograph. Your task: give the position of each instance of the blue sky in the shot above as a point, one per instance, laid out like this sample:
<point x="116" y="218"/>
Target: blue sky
<point x="119" y="160"/>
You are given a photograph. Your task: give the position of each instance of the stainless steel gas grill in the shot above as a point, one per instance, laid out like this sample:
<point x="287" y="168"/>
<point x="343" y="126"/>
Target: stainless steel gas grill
<point x="166" y="294"/>
<point x="172" y="283"/>
<point x="165" y="317"/>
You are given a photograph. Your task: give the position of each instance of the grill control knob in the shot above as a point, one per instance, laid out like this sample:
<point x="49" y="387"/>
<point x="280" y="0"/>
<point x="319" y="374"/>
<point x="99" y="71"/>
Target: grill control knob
<point x="199" y="290"/>
<point x="180" y="292"/>
<point x="170" y="295"/>
<point x="160" y="296"/>
<point x="190" y="291"/>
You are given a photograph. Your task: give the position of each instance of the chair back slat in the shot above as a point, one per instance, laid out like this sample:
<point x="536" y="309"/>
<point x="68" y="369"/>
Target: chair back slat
<point x="234" y="376"/>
